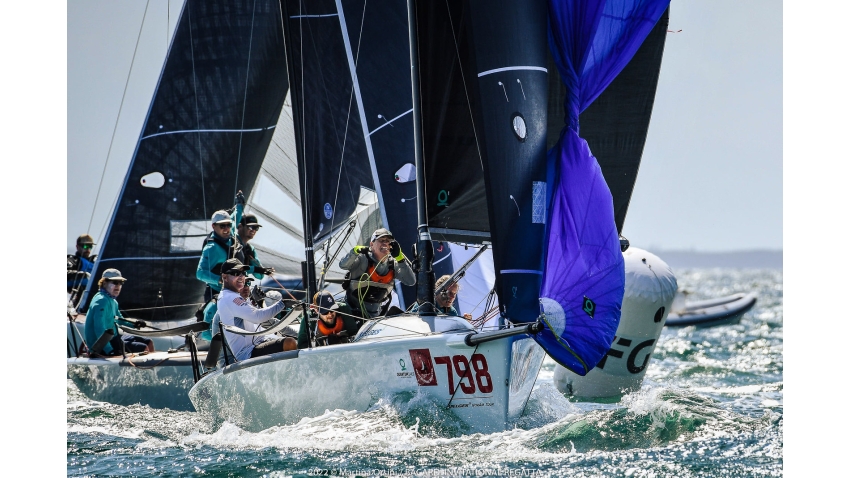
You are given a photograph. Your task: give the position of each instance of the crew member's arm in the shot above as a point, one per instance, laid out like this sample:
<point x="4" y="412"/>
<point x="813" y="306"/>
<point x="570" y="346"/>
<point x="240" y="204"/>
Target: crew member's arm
<point x="205" y="265"/>
<point x="355" y="261"/>
<point x="243" y="309"/>
<point x="404" y="272"/>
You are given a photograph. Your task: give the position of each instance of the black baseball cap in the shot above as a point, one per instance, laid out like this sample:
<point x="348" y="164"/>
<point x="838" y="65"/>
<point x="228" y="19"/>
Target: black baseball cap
<point x="249" y="220"/>
<point x="326" y="302"/>
<point x="232" y="265"/>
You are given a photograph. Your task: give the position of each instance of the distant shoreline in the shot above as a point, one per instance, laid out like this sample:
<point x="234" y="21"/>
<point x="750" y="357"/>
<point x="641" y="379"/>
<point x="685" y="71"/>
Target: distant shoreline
<point x="752" y="259"/>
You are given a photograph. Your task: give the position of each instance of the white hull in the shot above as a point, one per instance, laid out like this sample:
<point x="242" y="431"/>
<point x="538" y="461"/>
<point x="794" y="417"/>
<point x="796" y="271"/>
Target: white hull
<point x="283" y="388"/>
<point x="650" y="288"/>
<point x="159" y="379"/>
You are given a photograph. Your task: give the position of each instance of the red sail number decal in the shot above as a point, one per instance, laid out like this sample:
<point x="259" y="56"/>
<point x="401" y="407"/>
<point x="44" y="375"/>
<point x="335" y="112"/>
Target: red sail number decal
<point x="462" y="367"/>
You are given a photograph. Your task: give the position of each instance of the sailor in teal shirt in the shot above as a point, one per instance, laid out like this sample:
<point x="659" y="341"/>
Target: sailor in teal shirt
<point x="103" y="314"/>
<point x="218" y="247"/>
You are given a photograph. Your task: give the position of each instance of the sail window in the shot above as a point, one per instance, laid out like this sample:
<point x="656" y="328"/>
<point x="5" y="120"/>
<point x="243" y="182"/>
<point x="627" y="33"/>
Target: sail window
<point x="406" y="173"/>
<point x="518" y="123"/>
<point x="153" y="180"/>
<point x="188" y="236"/>
<point x="538" y="202"/>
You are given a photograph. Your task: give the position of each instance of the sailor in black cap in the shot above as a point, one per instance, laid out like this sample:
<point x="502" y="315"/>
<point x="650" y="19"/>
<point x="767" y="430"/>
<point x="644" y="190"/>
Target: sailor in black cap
<point x="335" y="324"/>
<point x="245" y="231"/>
<point x="372" y="272"/>
<point x="238" y="311"/>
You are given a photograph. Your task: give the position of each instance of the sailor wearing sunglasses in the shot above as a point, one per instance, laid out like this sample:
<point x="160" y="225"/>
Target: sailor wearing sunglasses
<point x="238" y="311"/>
<point x="80" y="266"/>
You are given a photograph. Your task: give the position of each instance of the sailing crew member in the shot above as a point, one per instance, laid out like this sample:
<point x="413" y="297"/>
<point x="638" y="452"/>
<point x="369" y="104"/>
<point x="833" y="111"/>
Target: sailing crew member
<point x="445" y="299"/>
<point x="103" y="314"/>
<point x="238" y="311"/>
<point x="245" y="231"/>
<point x="336" y="324"/>
<point x="219" y="246"/>
<point x="372" y="272"/>
<point x="80" y="266"/>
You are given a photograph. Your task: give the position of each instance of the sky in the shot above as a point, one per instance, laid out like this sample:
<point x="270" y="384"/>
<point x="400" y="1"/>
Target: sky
<point x="711" y="174"/>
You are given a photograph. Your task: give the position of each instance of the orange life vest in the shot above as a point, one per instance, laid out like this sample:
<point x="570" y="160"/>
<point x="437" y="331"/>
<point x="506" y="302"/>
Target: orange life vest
<point x="326" y="331"/>
<point x="375" y="277"/>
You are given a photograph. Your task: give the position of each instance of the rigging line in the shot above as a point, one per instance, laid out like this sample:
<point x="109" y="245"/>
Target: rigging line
<point x="245" y="97"/>
<point x="120" y="108"/>
<point x="350" y="100"/>
<point x="465" y="89"/>
<point x="197" y="111"/>
<point x="466" y="373"/>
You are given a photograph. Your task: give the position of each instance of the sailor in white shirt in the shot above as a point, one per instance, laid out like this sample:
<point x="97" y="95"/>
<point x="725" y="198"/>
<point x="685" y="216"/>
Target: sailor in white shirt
<point x="237" y="311"/>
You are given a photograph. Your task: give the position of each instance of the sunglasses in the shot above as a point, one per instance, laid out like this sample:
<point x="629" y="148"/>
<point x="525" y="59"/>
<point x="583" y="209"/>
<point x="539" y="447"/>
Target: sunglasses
<point x="236" y="273"/>
<point x="254" y="228"/>
<point x="87" y="246"/>
<point x="223" y="226"/>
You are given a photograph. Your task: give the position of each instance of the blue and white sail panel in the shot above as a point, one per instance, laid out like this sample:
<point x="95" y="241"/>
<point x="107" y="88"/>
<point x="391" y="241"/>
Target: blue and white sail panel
<point x="584" y="279"/>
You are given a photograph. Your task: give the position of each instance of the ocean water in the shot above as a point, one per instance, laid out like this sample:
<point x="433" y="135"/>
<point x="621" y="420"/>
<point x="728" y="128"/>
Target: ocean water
<point x="711" y="405"/>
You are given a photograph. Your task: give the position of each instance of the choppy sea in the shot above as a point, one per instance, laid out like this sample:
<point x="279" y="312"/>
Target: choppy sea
<point x="711" y="405"/>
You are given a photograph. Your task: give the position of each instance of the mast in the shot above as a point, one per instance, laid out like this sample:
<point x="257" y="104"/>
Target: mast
<point x="425" y="248"/>
<point x="308" y="267"/>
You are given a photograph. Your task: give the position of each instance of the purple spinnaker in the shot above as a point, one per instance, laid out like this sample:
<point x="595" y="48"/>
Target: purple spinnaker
<point x="584" y="275"/>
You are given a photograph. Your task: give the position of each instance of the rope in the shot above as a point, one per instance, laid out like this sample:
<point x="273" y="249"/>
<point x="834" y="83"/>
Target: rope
<point x="162" y="307"/>
<point x="120" y="108"/>
<point x="467" y="373"/>
<point x="284" y="288"/>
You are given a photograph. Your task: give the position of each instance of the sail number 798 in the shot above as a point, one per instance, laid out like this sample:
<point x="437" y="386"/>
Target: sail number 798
<point x="460" y="364"/>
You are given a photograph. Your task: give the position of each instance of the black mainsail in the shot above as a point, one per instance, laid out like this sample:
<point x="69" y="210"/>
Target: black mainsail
<point x="213" y="114"/>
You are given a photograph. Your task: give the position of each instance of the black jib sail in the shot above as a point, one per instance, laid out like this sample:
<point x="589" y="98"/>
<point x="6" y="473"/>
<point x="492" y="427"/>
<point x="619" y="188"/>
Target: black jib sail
<point x="216" y="105"/>
<point x="484" y="94"/>
<point x="352" y="107"/>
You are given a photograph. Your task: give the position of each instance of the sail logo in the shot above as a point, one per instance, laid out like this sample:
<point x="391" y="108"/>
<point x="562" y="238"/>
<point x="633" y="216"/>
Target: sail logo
<point x="329" y="211"/>
<point x="443" y="198"/>
<point x="423" y="367"/>
<point x="589" y="307"/>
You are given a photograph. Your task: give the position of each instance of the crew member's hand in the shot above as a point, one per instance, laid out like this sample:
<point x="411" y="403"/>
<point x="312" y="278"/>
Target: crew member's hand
<point x="141" y="324"/>
<point x="395" y="249"/>
<point x="265" y="270"/>
<point x="467" y="316"/>
<point x="240" y="198"/>
<point x="361" y="250"/>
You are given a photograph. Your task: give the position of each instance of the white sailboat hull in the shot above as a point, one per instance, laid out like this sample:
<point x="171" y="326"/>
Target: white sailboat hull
<point x="159" y="379"/>
<point x="283" y="388"/>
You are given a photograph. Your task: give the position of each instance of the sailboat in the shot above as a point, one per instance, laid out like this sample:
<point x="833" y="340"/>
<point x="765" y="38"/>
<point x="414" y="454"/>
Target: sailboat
<point x="479" y="84"/>
<point x="207" y="135"/>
